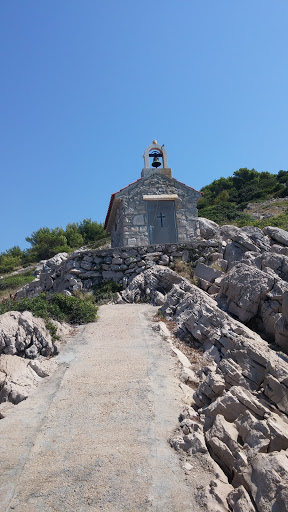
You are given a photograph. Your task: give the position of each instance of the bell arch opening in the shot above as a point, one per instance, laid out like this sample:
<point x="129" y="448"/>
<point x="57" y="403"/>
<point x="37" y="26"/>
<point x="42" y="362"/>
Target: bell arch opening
<point x="156" y="158"/>
<point x="155" y="151"/>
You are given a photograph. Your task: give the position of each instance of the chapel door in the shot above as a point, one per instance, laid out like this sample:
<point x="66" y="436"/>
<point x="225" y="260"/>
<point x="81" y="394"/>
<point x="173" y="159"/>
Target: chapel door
<point x="161" y="222"/>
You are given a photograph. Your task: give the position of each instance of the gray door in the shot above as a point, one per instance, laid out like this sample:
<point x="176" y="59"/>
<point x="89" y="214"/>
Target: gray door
<point x="161" y="222"/>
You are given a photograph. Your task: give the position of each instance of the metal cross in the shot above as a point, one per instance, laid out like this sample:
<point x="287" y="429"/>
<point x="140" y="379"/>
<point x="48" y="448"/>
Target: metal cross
<point x="161" y="217"/>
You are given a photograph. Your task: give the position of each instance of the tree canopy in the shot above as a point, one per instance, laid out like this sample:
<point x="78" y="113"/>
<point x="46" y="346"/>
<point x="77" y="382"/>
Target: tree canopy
<point x="46" y="242"/>
<point x="225" y="199"/>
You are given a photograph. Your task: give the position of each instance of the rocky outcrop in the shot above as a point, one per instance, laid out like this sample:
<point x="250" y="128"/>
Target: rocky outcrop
<point x="24" y="335"/>
<point x="239" y="409"/>
<point x="45" y="266"/>
<point x="18" y="377"/>
<point x="253" y="294"/>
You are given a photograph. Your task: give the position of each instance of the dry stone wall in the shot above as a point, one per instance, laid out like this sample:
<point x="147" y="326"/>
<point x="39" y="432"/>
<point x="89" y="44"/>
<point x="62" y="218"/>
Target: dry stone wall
<point x="85" y="269"/>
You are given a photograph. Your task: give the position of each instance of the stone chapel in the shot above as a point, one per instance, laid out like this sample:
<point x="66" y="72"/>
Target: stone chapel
<point x="155" y="209"/>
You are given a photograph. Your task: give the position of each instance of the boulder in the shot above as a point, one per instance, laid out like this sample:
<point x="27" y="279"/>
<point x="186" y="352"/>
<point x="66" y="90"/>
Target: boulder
<point x="158" y="279"/>
<point x="222" y="441"/>
<point x="245" y="287"/>
<point x="18" y="377"/>
<point x="279" y="249"/>
<point x="208" y="228"/>
<point x="239" y="500"/>
<point x="278" y="427"/>
<point x="254" y="433"/>
<point x="266" y="479"/>
<point x="207" y="273"/>
<point x="261" y="240"/>
<point x="277" y="234"/>
<point x="245" y="242"/>
<point x="213" y="384"/>
<point x="191" y="443"/>
<point x="274" y="261"/>
<point x="233" y="253"/>
<point x="227" y="232"/>
<point x="24" y="335"/>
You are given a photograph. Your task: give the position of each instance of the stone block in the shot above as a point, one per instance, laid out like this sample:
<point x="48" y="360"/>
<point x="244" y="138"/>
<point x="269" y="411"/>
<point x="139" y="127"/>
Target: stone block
<point x="117" y="261"/>
<point x="86" y="265"/>
<point x="139" y="220"/>
<point x="207" y="273"/>
<point x="110" y="274"/>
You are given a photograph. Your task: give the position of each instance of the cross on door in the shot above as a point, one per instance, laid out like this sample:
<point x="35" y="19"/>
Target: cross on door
<point x="161" y="217"/>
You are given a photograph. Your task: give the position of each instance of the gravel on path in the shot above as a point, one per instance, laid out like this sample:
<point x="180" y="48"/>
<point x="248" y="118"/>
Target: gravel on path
<point x="94" y="435"/>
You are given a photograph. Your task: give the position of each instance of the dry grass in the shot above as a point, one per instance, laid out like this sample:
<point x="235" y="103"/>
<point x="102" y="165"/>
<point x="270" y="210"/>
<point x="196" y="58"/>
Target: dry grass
<point x="11" y="283"/>
<point x="185" y="270"/>
<point x="195" y="355"/>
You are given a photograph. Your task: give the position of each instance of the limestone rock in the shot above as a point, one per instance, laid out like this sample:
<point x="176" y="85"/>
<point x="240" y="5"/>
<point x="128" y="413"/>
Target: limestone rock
<point x="279" y="249"/>
<point x="18" y="377"/>
<point x="245" y="242"/>
<point x="278" y="427"/>
<point x="207" y="273"/>
<point x="277" y="234"/>
<point x="191" y="443"/>
<point x="267" y="481"/>
<point x="254" y="433"/>
<point x="261" y="240"/>
<point x="25" y="335"/>
<point x="239" y="500"/>
<point x="208" y="228"/>
<point x="227" y="232"/>
<point x="222" y="440"/>
<point x="234" y="403"/>
<point x="245" y="287"/>
<point x="233" y="254"/>
<point x="213" y="384"/>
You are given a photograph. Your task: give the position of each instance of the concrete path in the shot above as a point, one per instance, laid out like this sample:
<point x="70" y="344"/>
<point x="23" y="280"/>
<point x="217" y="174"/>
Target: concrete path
<point x="93" y="437"/>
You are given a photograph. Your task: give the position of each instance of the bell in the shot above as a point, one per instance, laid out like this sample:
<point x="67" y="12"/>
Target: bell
<point x="156" y="162"/>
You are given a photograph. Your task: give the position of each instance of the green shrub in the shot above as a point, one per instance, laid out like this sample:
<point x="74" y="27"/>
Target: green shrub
<point x="16" y="281"/>
<point x="76" y="310"/>
<point x="59" y="307"/>
<point x="106" y="292"/>
<point x="52" y="329"/>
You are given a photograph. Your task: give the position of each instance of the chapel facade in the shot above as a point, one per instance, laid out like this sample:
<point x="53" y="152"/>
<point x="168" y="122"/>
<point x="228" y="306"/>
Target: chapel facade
<point x="155" y="209"/>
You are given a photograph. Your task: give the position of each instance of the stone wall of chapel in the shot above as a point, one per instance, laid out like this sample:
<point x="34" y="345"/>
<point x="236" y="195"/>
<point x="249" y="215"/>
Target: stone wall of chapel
<point x="118" y="228"/>
<point x="135" y="232"/>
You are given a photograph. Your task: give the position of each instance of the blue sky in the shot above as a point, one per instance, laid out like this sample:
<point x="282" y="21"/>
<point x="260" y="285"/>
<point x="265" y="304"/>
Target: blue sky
<point x="86" y="85"/>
